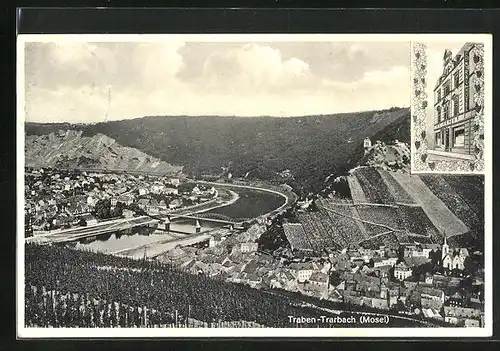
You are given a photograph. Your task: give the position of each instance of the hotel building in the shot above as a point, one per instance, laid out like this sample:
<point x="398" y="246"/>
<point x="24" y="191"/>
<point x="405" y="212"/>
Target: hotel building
<point x="454" y="107"/>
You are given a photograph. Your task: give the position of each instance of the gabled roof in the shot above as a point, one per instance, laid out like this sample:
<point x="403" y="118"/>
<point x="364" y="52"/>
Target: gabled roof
<point x="319" y="277"/>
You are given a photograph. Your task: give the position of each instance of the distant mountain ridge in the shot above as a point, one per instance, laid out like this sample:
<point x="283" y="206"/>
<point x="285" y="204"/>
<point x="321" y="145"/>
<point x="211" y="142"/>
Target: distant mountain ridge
<point x="69" y="149"/>
<point x="310" y="147"/>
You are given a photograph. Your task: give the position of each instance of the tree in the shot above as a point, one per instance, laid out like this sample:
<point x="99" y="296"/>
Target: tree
<point x="102" y="209"/>
<point x="117" y="212"/>
<point x="82" y="222"/>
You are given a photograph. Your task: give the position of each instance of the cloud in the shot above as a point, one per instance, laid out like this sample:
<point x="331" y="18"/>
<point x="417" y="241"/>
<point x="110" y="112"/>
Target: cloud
<point x="90" y="82"/>
<point x="252" y="68"/>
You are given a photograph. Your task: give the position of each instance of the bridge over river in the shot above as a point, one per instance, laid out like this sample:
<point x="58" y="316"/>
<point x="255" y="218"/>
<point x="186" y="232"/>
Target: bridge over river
<point x="158" y="232"/>
<point x="107" y="227"/>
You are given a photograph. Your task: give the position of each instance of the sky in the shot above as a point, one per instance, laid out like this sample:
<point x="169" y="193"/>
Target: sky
<point x="82" y="82"/>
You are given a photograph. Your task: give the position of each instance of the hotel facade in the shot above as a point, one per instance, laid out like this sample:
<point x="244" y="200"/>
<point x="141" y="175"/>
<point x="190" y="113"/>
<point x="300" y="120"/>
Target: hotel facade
<point x="454" y="107"/>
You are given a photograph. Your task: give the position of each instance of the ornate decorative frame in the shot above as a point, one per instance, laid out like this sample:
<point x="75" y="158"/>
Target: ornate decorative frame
<point x="419" y="147"/>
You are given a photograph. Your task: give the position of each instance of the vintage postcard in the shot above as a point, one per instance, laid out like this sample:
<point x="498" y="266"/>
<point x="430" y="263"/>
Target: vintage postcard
<point x="254" y="186"/>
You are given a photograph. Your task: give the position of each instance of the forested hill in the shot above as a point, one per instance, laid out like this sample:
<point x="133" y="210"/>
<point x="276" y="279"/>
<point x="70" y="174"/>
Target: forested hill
<point x="310" y="147"/>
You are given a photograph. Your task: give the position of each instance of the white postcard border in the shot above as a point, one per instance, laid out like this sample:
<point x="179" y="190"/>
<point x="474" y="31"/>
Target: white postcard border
<point x="23" y="332"/>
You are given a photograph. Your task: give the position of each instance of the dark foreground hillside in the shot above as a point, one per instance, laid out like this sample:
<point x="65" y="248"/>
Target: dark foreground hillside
<point x="311" y="147"/>
<point x="70" y="288"/>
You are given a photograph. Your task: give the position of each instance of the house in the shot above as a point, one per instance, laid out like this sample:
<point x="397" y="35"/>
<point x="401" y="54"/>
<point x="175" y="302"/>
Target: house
<point x="415" y="261"/>
<point x="421" y="251"/>
<point x="143" y="191"/>
<point x="455" y="315"/>
<point x="143" y="204"/>
<point x="126" y="198"/>
<point x="381" y="304"/>
<point x="367" y="143"/>
<point x="248" y="247"/>
<point x="319" y="279"/>
<point x="402" y="271"/>
<point x="171" y="191"/>
<point x="393" y="294"/>
<point x="430" y="293"/>
<point x="253" y="280"/>
<point x="175" y="203"/>
<point x="430" y="303"/>
<point x="215" y="240"/>
<point x="303" y="271"/>
<point x="91" y="201"/>
<point x="77" y="208"/>
<point x="429" y="279"/>
<point x="157" y="188"/>
<point x="173" y="255"/>
<point x="384" y="261"/>
<point x="431" y="313"/>
<point x="127" y="213"/>
<point x="89" y="219"/>
<point x="457" y="299"/>
<point x="196" y="191"/>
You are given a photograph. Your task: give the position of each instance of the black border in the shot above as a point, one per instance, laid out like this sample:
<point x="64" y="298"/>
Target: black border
<point x="245" y="20"/>
<point x="230" y="20"/>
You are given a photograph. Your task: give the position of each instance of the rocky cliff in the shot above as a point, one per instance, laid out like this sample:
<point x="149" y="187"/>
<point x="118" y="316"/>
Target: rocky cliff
<point x="69" y="149"/>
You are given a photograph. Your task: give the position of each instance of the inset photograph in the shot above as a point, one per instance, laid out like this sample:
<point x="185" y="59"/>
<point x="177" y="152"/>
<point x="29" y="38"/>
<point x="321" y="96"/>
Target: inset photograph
<point x="448" y="109"/>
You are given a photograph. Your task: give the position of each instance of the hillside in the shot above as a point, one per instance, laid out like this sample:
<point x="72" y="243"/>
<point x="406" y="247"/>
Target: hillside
<point x="73" y="288"/>
<point x="390" y="208"/>
<point x="378" y="202"/>
<point x="69" y="149"/>
<point x="310" y="147"/>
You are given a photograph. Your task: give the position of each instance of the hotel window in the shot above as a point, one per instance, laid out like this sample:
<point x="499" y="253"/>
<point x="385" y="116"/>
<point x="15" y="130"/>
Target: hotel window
<point x="456" y="79"/>
<point x="459" y="136"/>
<point x="438" y="114"/>
<point x="447" y="88"/>
<point x="456" y="106"/>
<point x="446" y="112"/>
<point x="439" y="95"/>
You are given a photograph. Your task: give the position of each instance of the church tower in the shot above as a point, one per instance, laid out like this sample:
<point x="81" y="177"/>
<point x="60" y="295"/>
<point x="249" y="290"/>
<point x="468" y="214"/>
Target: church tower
<point x="445" y="249"/>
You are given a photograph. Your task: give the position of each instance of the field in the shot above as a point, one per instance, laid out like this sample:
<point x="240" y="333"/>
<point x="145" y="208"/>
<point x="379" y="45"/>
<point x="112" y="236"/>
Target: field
<point x="390" y="240"/>
<point x="462" y="195"/>
<point x="327" y="228"/>
<point x="71" y="288"/>
<point x="296" y="236"/>
<point x="358" y="196"/>
<point x="437" y="211"/>
<point x="414" y="208"/>
<point x="387" y="218"/>
<point x="399" y="193"/>
<point x="374" y="187"/>
<point x="416" y="221"/>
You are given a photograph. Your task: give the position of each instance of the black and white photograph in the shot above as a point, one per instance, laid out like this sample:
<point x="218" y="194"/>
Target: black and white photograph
<point x="253" y="185"/>
<point x="449" y="136"/>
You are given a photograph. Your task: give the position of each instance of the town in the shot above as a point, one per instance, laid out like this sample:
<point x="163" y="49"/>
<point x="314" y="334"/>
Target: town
<point x="58" y="199"/>
<point x="434" y="282"/>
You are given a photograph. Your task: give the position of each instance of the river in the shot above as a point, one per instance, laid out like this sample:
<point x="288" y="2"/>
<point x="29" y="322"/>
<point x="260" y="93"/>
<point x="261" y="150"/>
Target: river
<point x="250" y="204"/>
